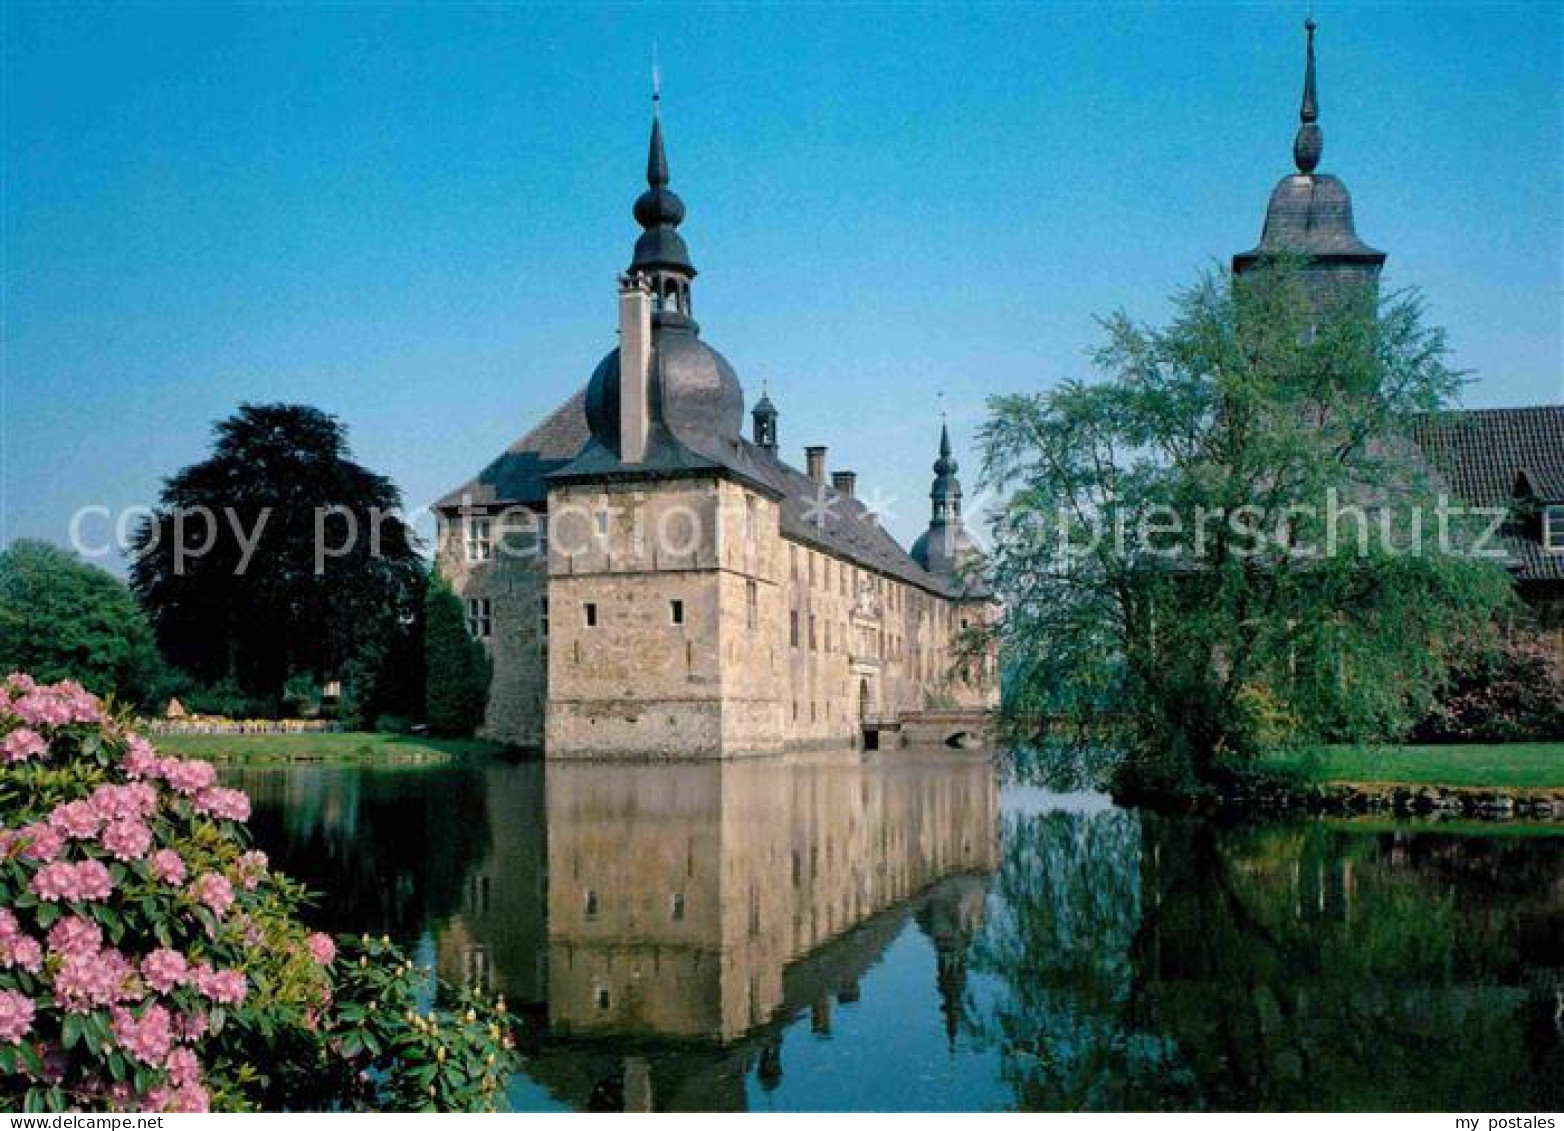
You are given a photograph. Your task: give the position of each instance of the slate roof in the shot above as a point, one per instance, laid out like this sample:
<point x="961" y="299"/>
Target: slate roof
<point x="1483" y="453"/>
<point x="844" y="527"/>
<point x="518" y="475"/>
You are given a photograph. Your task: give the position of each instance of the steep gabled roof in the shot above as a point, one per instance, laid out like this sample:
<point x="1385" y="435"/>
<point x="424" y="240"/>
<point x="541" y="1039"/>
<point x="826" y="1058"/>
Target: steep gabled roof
<point x="1484" y="454"/>
<point x="518" y="475"/>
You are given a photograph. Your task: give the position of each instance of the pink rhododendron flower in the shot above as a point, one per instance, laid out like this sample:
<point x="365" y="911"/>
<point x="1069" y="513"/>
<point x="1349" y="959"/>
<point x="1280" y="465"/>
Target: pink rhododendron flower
<point x="22" y="744"/>
<point x="225" y="987"/>
<point x="183" y="1067"/>
<point x="42" y="842"/>
<point x="168" y="867"/>
<point x="23" y="951"/>
<point x="9" y="927"/>
<point x="79" y="819"/>
<point x="188" y="777"/>
<point x="164" y="969"/>
<point x="140" y="760"/>
<point x="56" y="705"/>
<point x="135" y="801"/>
<point x="74" y="883"/>
<point x="74" y="937"/>
<point x="16" y="1016"/>
<point x="214" y="890"/>
<point x="86" y="981"/>
<point x="191" y="1099"/>
<point x="223" y="804"/>
<point x="149" y="1037"/>
<point x="322" y="949"/>
<point x="127" y="839"/>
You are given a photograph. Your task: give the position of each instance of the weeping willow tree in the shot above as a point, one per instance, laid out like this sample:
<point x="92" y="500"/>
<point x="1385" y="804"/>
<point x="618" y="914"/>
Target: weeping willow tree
<point x="1227" y="540"/>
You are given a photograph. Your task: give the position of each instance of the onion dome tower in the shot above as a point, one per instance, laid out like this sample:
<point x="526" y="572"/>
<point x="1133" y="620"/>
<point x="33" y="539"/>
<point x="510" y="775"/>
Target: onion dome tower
<point x="945" y="549"/>
<point x="1310" y="213"/>
<point x="664" y="401"/>
<point x="661" y="257"/>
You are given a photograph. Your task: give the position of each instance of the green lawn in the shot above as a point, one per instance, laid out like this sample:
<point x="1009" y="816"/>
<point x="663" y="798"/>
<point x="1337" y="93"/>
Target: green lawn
<point x="1518" y="764"/>
<point x="348" y="746"/>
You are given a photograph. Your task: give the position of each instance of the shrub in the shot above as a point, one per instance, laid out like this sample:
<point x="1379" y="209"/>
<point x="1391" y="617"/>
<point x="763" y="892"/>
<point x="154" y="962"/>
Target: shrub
<point x="1512" y="692"/>
<point x="456" y="667"/>
<point x="151" y="960"/>
<point x="61" y="618"/>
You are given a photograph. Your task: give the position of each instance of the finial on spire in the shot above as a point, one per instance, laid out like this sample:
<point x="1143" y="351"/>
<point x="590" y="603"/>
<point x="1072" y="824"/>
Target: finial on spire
<point x="1310" y="142"/>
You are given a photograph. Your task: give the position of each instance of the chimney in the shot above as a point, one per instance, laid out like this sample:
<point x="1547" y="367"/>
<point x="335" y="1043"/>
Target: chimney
<point x="814" y="460"/>
<point x="845" y="482"/>
<point x="635" y="366"/>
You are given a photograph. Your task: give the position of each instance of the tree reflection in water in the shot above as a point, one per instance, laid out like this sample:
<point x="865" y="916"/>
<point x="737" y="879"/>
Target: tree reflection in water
<point x="1151" y="962"/>
<point x="893" y="932"/>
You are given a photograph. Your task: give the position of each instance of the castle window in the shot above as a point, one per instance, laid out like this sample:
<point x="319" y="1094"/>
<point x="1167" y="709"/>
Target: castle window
<point x="601" y="994"/>
<point x="589" y="613"/>
<point x="676" y="907"/>
<point x="793" y="629"/>
<point x="1553" y="528"/>
<point x="479" y="618"/>
<point x="480" y="540"/>
<point x="749" y="518"/>
<point x="792" y="559"/>
<point x="589" y="908"/>
<point x="543" y="618"/>
<point x="602" y="523"/>
<point x="752" y="603"/>
<point x="812" y="632"/>
<point x="676" y="612"/>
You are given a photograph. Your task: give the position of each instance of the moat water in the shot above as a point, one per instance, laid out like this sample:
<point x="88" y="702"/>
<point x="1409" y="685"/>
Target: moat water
<point x="901" y="931"/>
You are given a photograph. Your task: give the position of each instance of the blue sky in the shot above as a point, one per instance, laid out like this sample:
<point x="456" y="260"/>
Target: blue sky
<point x="413" y="215"/>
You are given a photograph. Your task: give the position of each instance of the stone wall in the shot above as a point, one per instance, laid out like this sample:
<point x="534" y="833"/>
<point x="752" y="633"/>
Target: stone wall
<point x="782" y="646"/>
<point x="514" y="582"/>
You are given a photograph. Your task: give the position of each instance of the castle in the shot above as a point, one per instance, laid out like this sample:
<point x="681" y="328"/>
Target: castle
<point x="649" y="581"/>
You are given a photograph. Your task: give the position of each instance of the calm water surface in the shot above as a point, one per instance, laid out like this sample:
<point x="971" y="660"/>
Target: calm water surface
<point x="900" y="932"/>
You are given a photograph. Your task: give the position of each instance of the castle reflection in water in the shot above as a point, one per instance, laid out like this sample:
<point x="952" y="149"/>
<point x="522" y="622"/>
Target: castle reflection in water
<point x="659" y="924"/>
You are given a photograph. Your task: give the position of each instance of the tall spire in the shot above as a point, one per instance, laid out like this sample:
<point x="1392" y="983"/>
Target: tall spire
<point x="661" y="257"/>
<point x="657" y="158"/>
<point x="946" y="494"/>
<point x="1310" y="142"/>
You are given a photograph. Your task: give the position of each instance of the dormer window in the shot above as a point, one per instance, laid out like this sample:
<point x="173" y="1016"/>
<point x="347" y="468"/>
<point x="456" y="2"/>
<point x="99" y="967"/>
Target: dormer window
<point x="1553" y="528"/>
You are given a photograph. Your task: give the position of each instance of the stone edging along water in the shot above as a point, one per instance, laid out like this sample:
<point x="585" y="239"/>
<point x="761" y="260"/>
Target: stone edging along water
<point x="1347" y="798"/>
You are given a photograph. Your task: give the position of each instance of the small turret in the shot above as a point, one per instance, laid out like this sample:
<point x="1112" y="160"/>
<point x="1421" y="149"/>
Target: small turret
<point x="764" y="418"/>
<point x="945" y="549"/>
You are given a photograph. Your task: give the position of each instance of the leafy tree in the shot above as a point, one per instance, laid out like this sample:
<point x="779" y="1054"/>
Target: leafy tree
<point x="456" y="680"/>
<point x="1210" y="550"/>
<point x="65" y="619"/>
<point x="278" y="555"/>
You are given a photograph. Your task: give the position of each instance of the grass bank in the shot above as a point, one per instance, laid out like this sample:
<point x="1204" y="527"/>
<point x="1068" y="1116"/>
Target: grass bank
<point x="1514" y="765"/>
<point x="344" y="747"/>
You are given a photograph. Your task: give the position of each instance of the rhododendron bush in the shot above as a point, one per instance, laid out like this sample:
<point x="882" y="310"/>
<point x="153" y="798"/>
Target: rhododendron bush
<point x="151" y="960"/>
